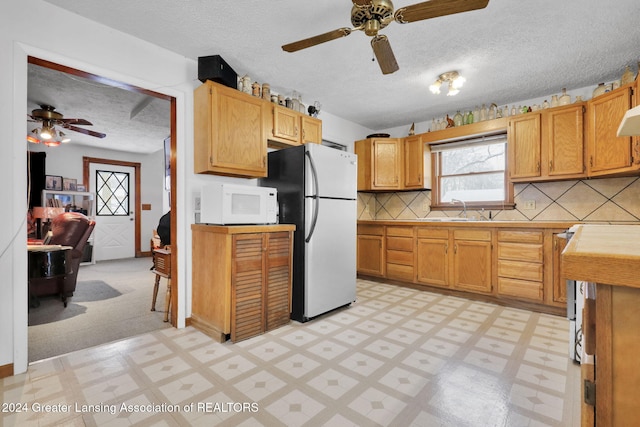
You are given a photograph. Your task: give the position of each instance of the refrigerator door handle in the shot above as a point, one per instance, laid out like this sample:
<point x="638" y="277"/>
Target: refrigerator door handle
<point x="314" y="197"/>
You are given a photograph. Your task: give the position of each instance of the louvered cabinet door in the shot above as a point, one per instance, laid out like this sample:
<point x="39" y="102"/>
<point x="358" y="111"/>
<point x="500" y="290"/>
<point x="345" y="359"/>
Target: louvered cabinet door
<point x="247" y="277"/>
<point x="278" y="275"/>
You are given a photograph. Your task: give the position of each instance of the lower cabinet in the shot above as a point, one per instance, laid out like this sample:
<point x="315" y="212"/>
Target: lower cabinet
<point x="370" y="250"/>
<point x="472" y="260"/>
<point x="515" y="264"/>
<point x="520" y="264"/>
<point x="400" y="253"/>
<point x="241" y="282"/>
<point x="433" y="256"/>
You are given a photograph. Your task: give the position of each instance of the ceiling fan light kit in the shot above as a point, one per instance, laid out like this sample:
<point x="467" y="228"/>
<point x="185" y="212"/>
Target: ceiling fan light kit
<point x="371" y="16"/>
<point x="47" y="133"/>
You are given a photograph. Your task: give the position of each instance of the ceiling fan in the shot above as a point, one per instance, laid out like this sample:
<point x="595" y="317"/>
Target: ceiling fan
<point x="371" y="16"/>
<point x="50" y="118"/>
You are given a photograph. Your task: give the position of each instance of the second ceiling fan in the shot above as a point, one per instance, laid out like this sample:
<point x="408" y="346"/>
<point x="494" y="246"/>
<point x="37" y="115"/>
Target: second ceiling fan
<point x="371" y="16"/>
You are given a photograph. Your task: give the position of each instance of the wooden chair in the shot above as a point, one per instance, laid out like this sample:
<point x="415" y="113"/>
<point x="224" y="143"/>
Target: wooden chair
<point x="161" y="268"/>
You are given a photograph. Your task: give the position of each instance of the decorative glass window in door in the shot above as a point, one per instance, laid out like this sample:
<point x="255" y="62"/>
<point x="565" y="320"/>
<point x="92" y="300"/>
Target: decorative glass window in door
<point x="112" y="193"/>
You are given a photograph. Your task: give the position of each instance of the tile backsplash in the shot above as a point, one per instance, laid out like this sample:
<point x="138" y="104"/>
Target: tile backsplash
<point x="614" y="200"/>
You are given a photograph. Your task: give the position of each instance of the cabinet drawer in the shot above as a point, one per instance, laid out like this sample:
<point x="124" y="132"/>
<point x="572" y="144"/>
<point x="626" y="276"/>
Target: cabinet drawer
<point x="400" y="231"/>
<point x="433" y="233"/>
<point x="374" y="230"/>
<point x="484" y="235"/>
<point x="520" y="252"/>
<point x="520" y="236"/>
<point x="400" y="272"/>
<point x="520" y="288"/>
<point x="520" y="270"/>
<point x="400" y="257"/>
<point x="400" y="243"/>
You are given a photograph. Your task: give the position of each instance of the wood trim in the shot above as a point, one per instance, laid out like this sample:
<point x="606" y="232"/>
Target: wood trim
<point x="6" y="370"/>
<point x="603" y="365"/>
<point x="137" y="204"/>
<point x="96" y="78"/>
<point x="174" y="215"/>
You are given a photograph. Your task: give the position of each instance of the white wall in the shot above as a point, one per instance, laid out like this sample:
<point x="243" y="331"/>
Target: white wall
<point x="85" y="45"/>
<point x="66" y="161"/>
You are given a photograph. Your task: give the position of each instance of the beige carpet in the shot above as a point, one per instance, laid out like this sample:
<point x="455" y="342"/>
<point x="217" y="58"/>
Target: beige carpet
<point x="112" y="301"/>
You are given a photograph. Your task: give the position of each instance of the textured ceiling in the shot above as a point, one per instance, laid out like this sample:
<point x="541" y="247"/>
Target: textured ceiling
<point x="511" y="51"/>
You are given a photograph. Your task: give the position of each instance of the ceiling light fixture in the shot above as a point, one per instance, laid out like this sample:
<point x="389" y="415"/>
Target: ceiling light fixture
<point x="63" y="137"/>
<point x="453" y="78"/>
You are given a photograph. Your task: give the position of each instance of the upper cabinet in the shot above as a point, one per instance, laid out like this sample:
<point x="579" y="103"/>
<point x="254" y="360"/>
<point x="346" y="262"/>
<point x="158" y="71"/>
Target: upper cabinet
<point x="547" y="145"/>
<point x="388" y="164"/>
<point x="289" y="127"/>
<point x="230" y="136"/>
<point x="608" y="153"/>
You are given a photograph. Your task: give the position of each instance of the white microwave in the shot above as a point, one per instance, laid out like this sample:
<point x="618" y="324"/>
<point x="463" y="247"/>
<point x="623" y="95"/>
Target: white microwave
<point x="227" y="204"/>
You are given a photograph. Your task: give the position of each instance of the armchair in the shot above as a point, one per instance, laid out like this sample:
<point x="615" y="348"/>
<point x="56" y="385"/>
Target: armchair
<point x="69" y="229"/>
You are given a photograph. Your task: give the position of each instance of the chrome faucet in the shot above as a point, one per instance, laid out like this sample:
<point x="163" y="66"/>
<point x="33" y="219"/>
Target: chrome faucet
<point x="464" y="205"/>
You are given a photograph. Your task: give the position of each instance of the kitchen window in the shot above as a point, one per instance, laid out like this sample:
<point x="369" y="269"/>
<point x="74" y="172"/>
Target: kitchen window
<point x="473" y="171"/>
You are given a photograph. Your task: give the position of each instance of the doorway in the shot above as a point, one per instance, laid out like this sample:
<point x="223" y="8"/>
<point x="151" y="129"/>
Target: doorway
<point x="134" y="203"/>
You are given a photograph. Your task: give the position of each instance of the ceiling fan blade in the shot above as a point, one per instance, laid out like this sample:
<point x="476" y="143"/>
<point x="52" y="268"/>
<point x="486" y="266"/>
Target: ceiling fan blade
<point x="312" y="41"/>
<point x="384" y="54"/>
<point x="75" y="122"/>
<point x="436" y="8"/>
<point x="85" y="131"/>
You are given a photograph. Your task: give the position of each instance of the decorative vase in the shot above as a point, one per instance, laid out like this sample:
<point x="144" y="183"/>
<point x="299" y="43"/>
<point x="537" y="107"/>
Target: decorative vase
<point x="483" y="113"/>
<point x="627" y="76"/>
<point x="246" y="84"/>
<point x="457" y="119"/>
<point x="565" y="98"/>
<point x="554" y="101"/>
<point x="599" y="90"/>
<point x="579" y="99"/>
<point x="545" y="104"/>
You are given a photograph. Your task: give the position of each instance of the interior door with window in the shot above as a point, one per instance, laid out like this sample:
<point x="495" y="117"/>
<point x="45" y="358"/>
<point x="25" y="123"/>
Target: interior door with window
<point x="115" y="222"/>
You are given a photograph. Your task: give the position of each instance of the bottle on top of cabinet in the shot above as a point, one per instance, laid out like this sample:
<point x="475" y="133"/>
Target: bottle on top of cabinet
<point x="565" y="98"/>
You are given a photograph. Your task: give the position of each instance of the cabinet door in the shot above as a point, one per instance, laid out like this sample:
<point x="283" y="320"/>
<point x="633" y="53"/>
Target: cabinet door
<point x="524" y="146"/>
<point x="247" y="277"/>
<point x="472" y="265"/>
<point x="370" y="255"/>
<point x="559" y="284"/>
<point x="278" y="277"/>
<point x="311" y="130"/>
<point x="433" y="262"/>
<point x="286" y="125"/>
<point x="414" y="162"/>
<point x="229" y="132"/>
<point x="609" y="153"/>
<point x="386" y="163"/>
<point x="564" y="130"/>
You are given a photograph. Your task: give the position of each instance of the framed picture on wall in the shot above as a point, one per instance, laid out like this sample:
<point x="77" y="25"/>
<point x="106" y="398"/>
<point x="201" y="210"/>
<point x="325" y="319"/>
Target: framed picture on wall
<point x="69" y="184"/>
<point x="53" y="182"/>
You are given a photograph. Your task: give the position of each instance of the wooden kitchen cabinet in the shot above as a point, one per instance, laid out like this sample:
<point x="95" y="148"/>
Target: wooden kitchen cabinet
<point x="521" y="264"/>
<point x="370" y="250"/>
<point x="417" y="163"/>
<point x="379" y="164"/>
<point x="289" y="128"/>
<point x="432" y="261"/>
<point x="472" y="260"/>
<point x="400" y="253"/>
<point x="230" y="136"/>
<point x="608" y="153"/>
<point x="548" y="144"/>
<point x="608" y="256"/>
<point x="393" y="164"/>
<point x="241" y="279"/>
<point x="525" y="139"/>
<point x="559" y="288"/>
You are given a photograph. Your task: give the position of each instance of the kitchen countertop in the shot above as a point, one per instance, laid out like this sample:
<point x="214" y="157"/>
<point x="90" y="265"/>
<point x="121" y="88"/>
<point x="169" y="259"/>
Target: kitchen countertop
<point x="475" y="224"/>
<point x="242" y="229"/>
<point x="608" y="254"/>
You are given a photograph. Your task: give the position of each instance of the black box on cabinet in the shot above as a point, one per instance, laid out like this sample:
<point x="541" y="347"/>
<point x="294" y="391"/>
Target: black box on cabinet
<point x="215" y="68"/>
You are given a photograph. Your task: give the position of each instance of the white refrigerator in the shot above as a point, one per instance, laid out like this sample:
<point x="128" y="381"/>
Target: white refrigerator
<point x="317" y="190"/>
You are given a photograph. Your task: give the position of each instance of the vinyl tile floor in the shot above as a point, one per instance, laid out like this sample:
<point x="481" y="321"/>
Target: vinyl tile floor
<point x="396" y="357"/>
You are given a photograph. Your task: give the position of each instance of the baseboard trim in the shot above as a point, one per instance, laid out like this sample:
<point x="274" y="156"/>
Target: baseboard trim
<point x="6" y="370"/>
<point x="187" y="321"/>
